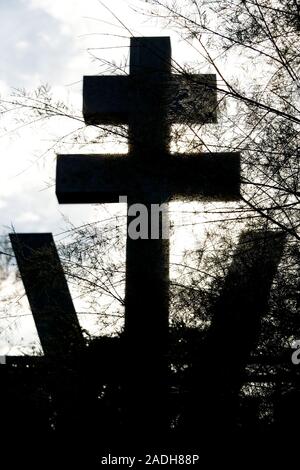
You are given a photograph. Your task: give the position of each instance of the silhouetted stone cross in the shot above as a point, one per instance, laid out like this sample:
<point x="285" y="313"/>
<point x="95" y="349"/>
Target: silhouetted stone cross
<point x="149" y="100"/>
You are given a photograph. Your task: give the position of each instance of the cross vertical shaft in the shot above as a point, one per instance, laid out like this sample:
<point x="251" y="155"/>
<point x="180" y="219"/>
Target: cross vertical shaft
<point x="147" y="273"/>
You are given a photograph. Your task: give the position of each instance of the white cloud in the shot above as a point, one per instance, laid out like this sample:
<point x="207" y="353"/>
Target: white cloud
<point x="4" y="88"/>
<point x="28" y="216"/>
<point x="22" y="45"/>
